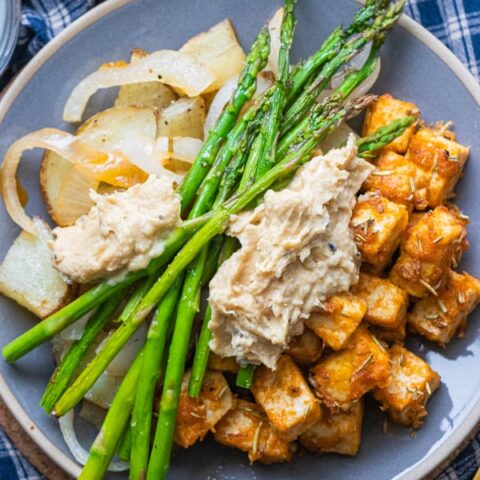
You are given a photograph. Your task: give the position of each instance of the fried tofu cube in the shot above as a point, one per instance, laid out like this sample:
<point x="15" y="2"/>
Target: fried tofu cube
<point x="391" y="335"/>
<point x="409" y="386"/>
<point x="222" y="364"/>
<point x="336" y="432"/>
<point x="386" y="303"/>
<point x="306" y="348"/>
<point x="378" y="225"/>
<point x="436" y="152"/>
<point x="427" y="251"/>
<point x="399" y="180"/>
<point x="383" y="111"/>
<point x="340" y="317"/>
<point x="286" y="397"/>
<point x="197" y="416"/>
<point x="342" y="378"/>
<point x="246" y="427"/>
<point x="439" y="317"/>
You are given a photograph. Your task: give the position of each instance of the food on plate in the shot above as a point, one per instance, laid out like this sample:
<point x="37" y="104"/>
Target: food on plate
<point x="337" y="319"/>
<point x="28" y="275"/>
<point x="428" y="249"/>
<point x="183" y="118"/>
<point x="386" y="109"/>
<point x="286" y="398"/>
<point x="217" y="49"/>
<point x="249" y="266"/>
<point x="295" y="253"/>
<point x="342" y="378"/>
<point x="339" y="432"/>
<point x="409" y="386"/>
<point x="439" y="317"/>
<point x="197" y="416"/>
<point x="247" y="428"/>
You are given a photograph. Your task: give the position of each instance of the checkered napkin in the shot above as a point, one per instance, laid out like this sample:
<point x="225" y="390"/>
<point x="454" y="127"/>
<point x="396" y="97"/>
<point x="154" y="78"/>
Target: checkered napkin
<point x="455" y="22"/>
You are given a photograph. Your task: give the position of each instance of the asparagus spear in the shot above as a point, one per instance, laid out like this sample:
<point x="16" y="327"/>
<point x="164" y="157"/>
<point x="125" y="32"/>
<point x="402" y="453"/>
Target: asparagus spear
<point x="106" y="443"/>
<point x="297" y="134"/>
<point x="383" y="136"/>
<point x="200" y="360"/>
<point x="147" y="381"/>
<point x="269" y="129"/>
<point x="68" y="366"/>
<point x="382" y="23"/>
<point x="188" y="306"/>
<point x="329" y="49"/>
<point x="125" y="444"/>
<point x="254" y="63"/>
<point x="245" y="376"/>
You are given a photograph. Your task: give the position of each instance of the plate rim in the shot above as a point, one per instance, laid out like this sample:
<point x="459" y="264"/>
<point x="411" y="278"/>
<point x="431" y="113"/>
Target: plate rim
<point x="418" y="470"/>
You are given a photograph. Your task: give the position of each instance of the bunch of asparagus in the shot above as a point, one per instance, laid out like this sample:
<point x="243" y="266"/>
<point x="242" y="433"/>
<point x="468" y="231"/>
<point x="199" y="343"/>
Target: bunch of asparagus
<point x="241" y="159"/>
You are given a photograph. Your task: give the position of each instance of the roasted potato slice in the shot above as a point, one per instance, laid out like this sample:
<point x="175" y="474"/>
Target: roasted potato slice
<point x="183" y="118"/>
<point x="146" y="94"/>
<point x="28" y="276"/>
<point x="219" y="50"/>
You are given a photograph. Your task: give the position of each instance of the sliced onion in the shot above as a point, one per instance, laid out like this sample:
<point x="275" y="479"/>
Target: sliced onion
<point x="274" y="28"/>
<point x="75" y="330"/>
<point x="265" y="80"/>
<point x="355" y="64"/>
<point x="173" y="68"/>
<point x="122" y="362"/>
<point x="337" y="138"/>
<point x="67" y="428"/>
<point x="218" y="104"/>
<point x="73" y="198"/>
<point x="64" y="144"/>
<point x="184" y="149"/>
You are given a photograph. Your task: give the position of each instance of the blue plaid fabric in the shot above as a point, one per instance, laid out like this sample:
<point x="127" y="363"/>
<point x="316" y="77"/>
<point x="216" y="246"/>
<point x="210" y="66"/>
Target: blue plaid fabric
<point x="455" y="22"/>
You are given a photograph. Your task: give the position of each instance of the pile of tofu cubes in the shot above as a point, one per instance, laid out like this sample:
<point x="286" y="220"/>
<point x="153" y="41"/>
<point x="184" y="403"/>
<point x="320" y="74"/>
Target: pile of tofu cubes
<point x="411" y="240"/>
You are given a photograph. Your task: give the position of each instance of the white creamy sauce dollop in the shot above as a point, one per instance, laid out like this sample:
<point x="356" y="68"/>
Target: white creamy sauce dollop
<point x="297" y="250"/>
<point x="122" y="232"/>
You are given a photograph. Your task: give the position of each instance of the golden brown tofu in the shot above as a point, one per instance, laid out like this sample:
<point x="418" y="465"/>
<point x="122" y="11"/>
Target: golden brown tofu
<point x="391" y="335"/>
<point x="221" y="364"/>
<point x="399" y="180"/>
<point x="285" y="396"/>
<point x="378" y="225"/>
<point x="342" y="378"/>
<point x="383" y="111"/>
<point x="439" y="317"/>
<point x="341" y="316"/>
<point x="436" y="152"/>
<point x="408" y="388"/>
<point x="386" y="303"/>
<point x="336" y="432"/>
<point x="306" y="348"/>
<point x="427" y="251"/>
<point x="196" y="417"/>
<point x="247" y="428"/>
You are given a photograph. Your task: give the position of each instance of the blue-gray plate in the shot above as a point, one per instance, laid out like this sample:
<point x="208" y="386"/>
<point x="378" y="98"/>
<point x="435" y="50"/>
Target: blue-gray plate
<point x="415" y="66"/>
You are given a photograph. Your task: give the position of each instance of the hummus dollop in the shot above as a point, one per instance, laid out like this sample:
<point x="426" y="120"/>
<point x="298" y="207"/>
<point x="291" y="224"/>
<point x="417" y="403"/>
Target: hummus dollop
<point x="122" y="231"/>
<point x="297" y="250"/>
